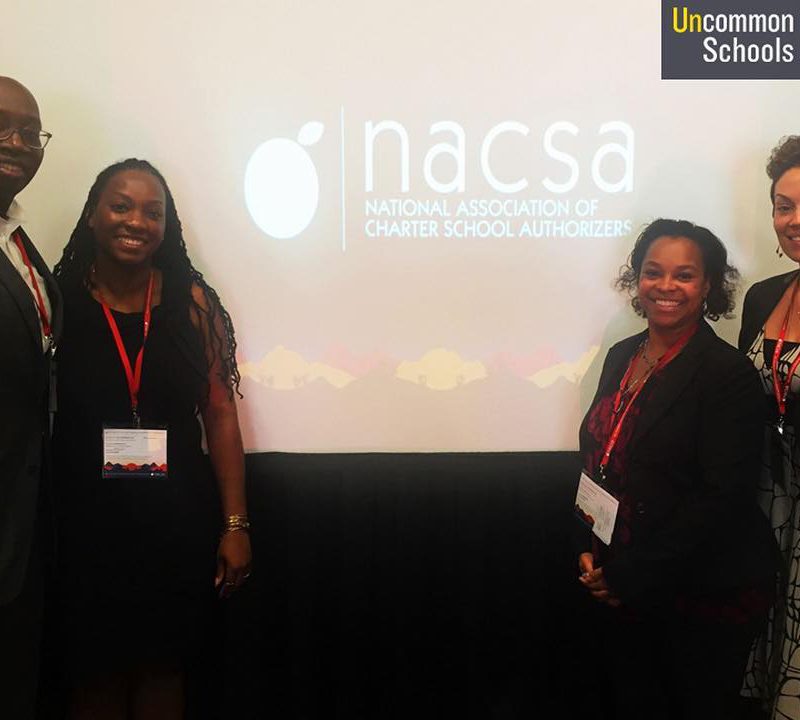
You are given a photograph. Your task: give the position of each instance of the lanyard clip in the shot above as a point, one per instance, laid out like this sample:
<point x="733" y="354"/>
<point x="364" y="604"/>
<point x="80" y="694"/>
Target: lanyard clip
<point x="137" y="420"/>
<point x="779" y="425"/>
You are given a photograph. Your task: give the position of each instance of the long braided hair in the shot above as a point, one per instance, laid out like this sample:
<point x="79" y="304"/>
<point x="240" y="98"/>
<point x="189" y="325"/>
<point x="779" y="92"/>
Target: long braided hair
<point x="173" y="261"/>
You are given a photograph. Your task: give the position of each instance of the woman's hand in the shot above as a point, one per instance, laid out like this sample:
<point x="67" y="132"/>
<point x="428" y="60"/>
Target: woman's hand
<point x="224" y="439"/>
<point x="233" y="562"/>
<point x="592" y="579"/>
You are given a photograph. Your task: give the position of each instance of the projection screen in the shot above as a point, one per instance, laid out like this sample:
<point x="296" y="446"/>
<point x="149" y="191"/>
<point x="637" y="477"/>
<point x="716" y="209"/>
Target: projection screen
<point x="413" y="211"/>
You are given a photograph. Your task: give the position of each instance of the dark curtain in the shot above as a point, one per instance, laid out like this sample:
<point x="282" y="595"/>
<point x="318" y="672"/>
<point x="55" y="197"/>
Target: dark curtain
<point x="408" y="586"/>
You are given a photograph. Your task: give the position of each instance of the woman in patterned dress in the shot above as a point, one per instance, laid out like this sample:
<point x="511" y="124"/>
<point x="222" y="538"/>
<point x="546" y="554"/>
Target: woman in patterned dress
<point x="770" y="335"/>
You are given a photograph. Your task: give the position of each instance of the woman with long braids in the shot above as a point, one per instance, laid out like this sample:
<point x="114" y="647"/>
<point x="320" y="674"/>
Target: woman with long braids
<point x="147" y="347"/>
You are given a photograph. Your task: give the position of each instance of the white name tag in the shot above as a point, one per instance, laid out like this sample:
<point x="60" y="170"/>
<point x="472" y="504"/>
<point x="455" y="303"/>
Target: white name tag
<point x="596" y="507"/>
<point x="134" y="452"/>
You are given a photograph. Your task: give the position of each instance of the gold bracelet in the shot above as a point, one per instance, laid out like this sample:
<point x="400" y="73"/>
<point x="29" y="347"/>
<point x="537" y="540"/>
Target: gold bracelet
<point x="236" y="522"/>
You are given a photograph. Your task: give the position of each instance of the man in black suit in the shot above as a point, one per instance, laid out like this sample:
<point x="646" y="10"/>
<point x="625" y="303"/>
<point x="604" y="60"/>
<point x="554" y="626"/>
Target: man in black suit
<point x="29" y="325"/>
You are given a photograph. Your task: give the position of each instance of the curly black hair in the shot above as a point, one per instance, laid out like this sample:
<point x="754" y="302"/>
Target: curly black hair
<point x="784" y="156"/>
<point x="722" y="277"/>
<point x="173" y="261"/>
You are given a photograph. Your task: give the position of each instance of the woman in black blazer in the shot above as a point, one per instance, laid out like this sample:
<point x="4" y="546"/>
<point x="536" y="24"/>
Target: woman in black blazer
<point x="674" y="434"/>
<point x="770" y="336"/>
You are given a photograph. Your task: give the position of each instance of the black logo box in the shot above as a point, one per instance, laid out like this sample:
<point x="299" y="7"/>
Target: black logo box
<point x="682" y="53"/>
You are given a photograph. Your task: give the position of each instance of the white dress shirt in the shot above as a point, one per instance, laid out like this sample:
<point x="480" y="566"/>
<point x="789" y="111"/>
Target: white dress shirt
<point x="8" y="227"/>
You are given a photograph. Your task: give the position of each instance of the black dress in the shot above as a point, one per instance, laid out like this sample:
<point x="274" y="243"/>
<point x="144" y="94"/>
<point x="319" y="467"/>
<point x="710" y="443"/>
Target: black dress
<point x="136" y="557"/>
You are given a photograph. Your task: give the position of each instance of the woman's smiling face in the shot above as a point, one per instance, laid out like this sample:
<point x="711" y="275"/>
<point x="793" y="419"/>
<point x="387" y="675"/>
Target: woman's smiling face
<point x="786" y="212"/>
<point x="672" y="283"/>
<point x="129" y="219"/>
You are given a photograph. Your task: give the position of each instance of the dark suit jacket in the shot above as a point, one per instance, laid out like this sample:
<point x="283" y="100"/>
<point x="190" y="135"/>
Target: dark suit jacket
<point x="759" y="302"/>
<point x="24" y="422"/>
<point x="692" y="470"/>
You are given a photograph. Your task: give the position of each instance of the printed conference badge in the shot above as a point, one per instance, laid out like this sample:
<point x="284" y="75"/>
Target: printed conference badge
<point x="134" y="452"/>
<point x="597" y="508"/>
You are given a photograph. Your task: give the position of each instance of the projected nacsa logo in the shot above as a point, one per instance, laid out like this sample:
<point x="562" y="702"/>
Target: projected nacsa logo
<point x="281" y="185"/>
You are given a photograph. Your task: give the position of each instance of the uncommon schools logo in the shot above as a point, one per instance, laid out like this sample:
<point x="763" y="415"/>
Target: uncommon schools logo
<point x="730" y="39"/>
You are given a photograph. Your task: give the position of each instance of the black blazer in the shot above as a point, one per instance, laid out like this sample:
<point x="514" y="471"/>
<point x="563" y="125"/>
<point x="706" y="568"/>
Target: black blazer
<point x="692" y="471"/>
<point x="759" y="302"/>
<point x="24" y="420"/>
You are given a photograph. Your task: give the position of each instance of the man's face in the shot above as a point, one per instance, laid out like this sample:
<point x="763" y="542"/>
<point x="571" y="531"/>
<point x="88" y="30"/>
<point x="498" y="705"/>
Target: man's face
<point x="18" y="162"/>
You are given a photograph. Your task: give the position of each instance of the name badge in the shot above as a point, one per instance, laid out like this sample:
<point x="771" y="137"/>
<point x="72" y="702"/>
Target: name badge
<point x="596" y="507"/>
<point x="134" y="452"/>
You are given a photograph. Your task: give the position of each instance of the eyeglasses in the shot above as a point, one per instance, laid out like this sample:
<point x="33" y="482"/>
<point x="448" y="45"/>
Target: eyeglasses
<point x="33" y="139"/>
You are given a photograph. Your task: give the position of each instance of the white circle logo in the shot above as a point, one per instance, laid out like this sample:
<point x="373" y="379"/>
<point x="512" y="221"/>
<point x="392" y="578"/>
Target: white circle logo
<point x="281" y="186"/>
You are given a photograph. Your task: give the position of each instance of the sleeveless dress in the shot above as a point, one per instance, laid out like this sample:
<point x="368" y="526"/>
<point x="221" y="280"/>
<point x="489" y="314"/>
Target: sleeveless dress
<point x="773" y="672"/>
<point x="136" y="557"/>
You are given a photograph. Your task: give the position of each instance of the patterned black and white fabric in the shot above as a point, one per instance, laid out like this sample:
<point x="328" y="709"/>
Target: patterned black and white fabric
<point x="773" y="671"/>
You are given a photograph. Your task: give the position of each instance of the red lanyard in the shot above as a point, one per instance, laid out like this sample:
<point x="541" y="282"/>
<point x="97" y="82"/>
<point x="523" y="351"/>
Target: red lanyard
<point x="48" y="334"/>
<point x="133" y="376"/>
<point x="616" y="428"/>
<point x="782" y="388"/>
